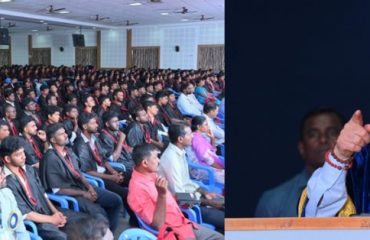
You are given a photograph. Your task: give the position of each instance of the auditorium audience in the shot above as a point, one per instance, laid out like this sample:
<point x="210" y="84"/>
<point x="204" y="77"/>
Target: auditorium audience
<point x="49" y="109"/>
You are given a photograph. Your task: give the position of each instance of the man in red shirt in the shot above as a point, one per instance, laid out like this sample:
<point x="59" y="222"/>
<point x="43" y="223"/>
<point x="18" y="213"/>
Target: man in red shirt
<point x="149" y="198"/>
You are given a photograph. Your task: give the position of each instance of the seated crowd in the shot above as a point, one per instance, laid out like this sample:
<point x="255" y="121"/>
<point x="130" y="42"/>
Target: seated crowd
<point x="135" y="130"/>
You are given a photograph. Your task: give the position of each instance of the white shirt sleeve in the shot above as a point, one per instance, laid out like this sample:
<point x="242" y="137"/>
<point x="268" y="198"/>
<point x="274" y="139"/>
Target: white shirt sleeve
<point x="185" y="107"/>
<point x="326" y="191"/>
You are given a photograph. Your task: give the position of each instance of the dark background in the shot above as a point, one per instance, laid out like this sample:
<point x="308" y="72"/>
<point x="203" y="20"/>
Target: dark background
<point x="284" y="58"/>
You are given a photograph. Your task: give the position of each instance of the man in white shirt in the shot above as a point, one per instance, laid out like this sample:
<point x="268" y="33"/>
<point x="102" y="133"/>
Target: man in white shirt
<point x="210" y="113"/>
<point x="187" y="102"/>
<point x="174" y="167"/>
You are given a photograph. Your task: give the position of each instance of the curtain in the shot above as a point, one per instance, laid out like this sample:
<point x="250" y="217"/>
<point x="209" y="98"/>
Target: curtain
<point x="86" y="56"/>
<point x="146" y="57"/>
<point x="41" y="56"/>
<point x="211" y="57"/>
<point x="4" y="57"/>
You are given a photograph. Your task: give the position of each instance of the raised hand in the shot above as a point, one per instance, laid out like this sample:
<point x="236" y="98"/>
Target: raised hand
<point x="161" y="185"/>
<point x="353" y="137"/>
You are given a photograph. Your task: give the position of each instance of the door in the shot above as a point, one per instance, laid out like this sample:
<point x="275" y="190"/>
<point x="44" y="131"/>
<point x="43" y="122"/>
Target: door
<point x="146" y="57"/>
<point x="86" y="56"/>
<point x="211" y="57"/>
<point x="4" y="57"/>
<point x="41" y="56"/>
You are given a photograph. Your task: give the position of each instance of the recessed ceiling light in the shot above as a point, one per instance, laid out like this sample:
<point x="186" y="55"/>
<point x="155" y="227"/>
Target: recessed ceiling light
<point x="184" y="20"/>
<point x="45" y="23"/>
<point x="2" y="18"/>
<point x="63" y="11"/>
<point x="165" y="13"/>
<point x="136" y="4"/>
<point x="2" y="1"/>
<point x="42" y="21"/>
<point x="34" y="30"/>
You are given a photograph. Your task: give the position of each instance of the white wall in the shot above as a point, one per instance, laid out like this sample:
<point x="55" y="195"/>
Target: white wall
<point x="19" y="49"/>
<point x="113" y="44"/>
<point x="186" y="36"/>
<point x="113" y="49"/>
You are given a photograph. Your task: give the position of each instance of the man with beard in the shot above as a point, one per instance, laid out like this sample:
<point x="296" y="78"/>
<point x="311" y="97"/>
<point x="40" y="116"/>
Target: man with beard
<point x="114" y="142"/>
<point x="29" y="106"/>
<point x="319" y="131"/>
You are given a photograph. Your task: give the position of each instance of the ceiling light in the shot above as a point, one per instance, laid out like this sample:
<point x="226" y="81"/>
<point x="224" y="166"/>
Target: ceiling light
<point x="184" y="20"/>
<point x="45" y="23"/>
<point x="2" y="1"/>
<point x="136" y="4"/>
<point x="63" y="11"/>
<point x="2" y="18"/>
<point x="42" y="21"/>
<point x="34" y="30"/>
<point x="164" y="13"/>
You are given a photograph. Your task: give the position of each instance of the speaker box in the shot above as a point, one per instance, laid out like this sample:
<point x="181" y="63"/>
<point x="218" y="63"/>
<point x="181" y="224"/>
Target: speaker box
<point x="4" y="36"/>
<point x="177" y="48"/>
<point x="78" y="40"/>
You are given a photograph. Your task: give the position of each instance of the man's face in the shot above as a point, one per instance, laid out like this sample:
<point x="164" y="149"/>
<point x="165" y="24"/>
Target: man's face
<point x="141" y="91"/>
<point x="158" y="87"/>
<point x="31" y="128"/>
<point x="53" y="101"/>
<point x="60" y="138"/>
<point x="107" y="102"/>
<point x="113" y="124"/>
<point x="45" y="91"/>
<point x="16" y="159"/>
<point x="73" y="113"/>
<point x="213" y="113"/>
<point x="142" y="116"/>
<point x="164" y="100"/>
<point x="119" y="96"/>
<point x="152" y="162"/>
<point x="190" y="89"/>
<point x="31" y="107"/>
<point x="4" y="132"/>
<point x="92" y="126"/>
<point x="172" y="98"/>
<point x="55" y="117"/>
<point x="11" y="113"/>
<point x="319" y="134"/>
<point x="153" y="110"/>
<point x="135" y="93"/>
<point x="74" y="101"/>
<point x="90" y="102"/>
<point x="187" y="138"/>
<point x="11" y="97"/>
<point x="150" y="89"/>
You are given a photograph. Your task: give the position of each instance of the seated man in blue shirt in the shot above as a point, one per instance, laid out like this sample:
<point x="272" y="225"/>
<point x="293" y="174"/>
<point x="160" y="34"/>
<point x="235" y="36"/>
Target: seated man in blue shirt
<point x="318" y="132"/>
<point x="326" y="194"/>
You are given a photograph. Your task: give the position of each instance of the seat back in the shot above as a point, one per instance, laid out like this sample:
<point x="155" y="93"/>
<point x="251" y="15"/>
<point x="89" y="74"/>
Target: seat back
<point x="136" y="233"/>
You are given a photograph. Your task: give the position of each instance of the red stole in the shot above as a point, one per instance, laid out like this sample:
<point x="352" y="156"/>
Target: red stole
<point x="26" y="187"/>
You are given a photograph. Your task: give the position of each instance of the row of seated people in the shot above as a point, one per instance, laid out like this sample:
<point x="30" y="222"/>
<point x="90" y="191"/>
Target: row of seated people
<point x="88" y="141"/>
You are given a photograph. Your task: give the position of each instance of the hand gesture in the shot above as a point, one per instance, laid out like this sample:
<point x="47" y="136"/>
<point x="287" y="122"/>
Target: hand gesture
<point x="161" y="185"/>
<point x="42" y="135"/>
<point x="353" y="137"/>
<point x="121" y="137"/>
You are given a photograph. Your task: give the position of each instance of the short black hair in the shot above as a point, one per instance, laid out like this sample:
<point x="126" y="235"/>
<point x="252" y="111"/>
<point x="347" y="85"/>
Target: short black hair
<point x="84" y="98"/>
<point x="145" y="98"/>
<point x="134" y="112"/>
<point x="102" y="98"/>
<point x="10" y="145"/>
<point x="70" y="97"/>
<point x="196" y="121"/>
<point x="148" y="104"/>
<point x="7" y="105"/>
<point x="50" y="110"/>
<point x="49" y="96"/>
<point x="175" y="131"/>
<point x="161" y="94"/>
<point x="24" y="121"/>
<point x="116" y="91"/>
<point x="142" y="151"/>
<point x="8" y="92"/>
<point x="209" y="106"/>
<point x="3" y="123"/>
<point x="184" y="86"/>
<point x="108" y="115"/>
<point x="84" y="118"/>
<point x="68" y="107"/>
<point x="52" y="129"/>
<point x="319" y="111"/>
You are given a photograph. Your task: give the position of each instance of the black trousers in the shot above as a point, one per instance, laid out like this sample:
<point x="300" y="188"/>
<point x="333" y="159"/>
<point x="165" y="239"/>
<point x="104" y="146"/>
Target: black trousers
<point x="122" y="191"/>
<point x="214" y="216"/>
